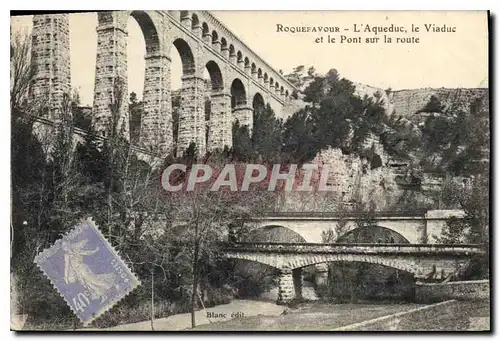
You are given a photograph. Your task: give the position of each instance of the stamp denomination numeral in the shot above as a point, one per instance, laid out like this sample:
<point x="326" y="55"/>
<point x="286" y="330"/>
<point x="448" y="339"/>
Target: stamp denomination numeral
<point x="81" y="301"/>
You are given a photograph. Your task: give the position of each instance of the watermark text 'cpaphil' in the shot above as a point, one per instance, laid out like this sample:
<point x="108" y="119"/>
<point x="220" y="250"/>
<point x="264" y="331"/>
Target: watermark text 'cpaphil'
<point x="237" y="177"/>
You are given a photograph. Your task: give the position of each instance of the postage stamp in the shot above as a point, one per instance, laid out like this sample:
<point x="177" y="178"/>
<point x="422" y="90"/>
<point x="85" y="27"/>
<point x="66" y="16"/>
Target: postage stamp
<point x="86" y="270"/>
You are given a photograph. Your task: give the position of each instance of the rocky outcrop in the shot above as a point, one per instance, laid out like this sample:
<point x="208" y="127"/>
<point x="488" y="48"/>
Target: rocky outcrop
<point x="409" y="102"/>
<point x="354" y="180"/>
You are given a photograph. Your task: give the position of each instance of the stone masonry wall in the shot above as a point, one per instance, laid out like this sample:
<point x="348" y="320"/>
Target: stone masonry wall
<point x="463" y="290"/>
<point x="50" y="58"/>
<point x="192" y="114"/>
<point x="111" y="66"/>
<point x="220" y="124"/>
<point x="156" y="120"/>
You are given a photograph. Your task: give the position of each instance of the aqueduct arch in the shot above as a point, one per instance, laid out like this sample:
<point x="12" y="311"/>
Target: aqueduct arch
<point x="258" y="102"/>
<point x="219" y="126"/>
<point x="111" y="76"/>
<point x="191" y="111"/>
<point x="199" y="37"/>
<point x="239" y="104"/>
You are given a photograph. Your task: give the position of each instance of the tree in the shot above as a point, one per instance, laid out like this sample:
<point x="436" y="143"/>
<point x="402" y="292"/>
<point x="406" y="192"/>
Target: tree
<point x="136" y="111"/>
<point x="311" y="72"/>
<point x="22" y="74"/>
<point x="242" y="149"/>
<point x="266" y="135"/>
<point x="296" y="77"/>
<point x="299" y="142"/>
<point x="206" y="215"/>
<point x="315" y="91"/>
<point x="47" y="200"/>
<point x="434" y="105"/>
<point x="133" y="98"/>
<point x="473" y="198"/>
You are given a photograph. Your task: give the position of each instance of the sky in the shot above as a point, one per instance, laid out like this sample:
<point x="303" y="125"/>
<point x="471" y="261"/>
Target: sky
<point x="458" y="59"/>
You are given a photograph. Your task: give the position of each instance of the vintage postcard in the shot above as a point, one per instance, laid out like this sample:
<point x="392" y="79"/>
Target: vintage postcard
<point x="250" y="171"/>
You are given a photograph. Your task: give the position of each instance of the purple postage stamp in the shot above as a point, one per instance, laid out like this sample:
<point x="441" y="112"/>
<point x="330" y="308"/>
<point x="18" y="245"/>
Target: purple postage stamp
<point x="86" y="270"/>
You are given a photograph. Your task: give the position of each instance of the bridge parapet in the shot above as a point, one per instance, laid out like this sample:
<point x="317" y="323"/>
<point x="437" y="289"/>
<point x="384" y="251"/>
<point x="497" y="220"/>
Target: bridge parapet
<point x="359" y="248"/>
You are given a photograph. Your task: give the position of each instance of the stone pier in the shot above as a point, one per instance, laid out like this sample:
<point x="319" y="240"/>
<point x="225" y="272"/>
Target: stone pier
<point x="244" y="114"/>
<point x="238" y="77"/>
<point x="111" y="74"/>
<point x="220" y="126"/>
<point x="192" y="115"/>
<point x="286" y="287"/>
<point x="51" y="63"/>
<point x="156" y="120"/>
<point x="290" y="285"/>
<point x="321" y="277"/>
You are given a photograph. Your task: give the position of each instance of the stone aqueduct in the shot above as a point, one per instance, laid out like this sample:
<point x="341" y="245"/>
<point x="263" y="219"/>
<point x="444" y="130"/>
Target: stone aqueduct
<point x="240" y="79"/>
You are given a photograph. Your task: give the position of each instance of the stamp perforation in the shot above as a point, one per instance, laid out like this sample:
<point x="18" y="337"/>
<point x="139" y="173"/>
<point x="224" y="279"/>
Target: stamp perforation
<point x="115" y="253"/>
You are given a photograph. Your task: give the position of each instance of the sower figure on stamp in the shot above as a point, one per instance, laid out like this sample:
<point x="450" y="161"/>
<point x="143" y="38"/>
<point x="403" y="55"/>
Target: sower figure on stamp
<point x="75" y="270"/>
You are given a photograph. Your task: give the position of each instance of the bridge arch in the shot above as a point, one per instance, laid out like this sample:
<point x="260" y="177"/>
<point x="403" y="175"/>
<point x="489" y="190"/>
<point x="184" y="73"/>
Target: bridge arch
<point x="254" y="70"/>
<point x="204" y="29"/>
<point x="298" y="261"/>
<point x="217" y="110"/>
<point x="215" y="38"/>
<point x="247" y="65"/>
<point x="149" y="31"/>
<point x="258" y="103"/>
<point x="223" y="44"/>
<point x="275" y="233"/>
<point x="373" y="234"/>
<point x="238" y="93"/>
<point x="216" y="78"/>
<point x="186" y="54"/>
<point x="195" y="22"/>
<point x="362" y="258"/>
<point x="239" y="58"/>
<point x="155" y="88"/>
<point x="292" y="231"/>
<point x="184" y="15"/>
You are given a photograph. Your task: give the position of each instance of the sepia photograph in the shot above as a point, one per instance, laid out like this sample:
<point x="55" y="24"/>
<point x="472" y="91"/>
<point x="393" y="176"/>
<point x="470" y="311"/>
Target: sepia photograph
<point x="194" y="170"/>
